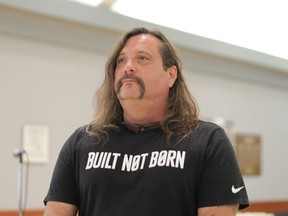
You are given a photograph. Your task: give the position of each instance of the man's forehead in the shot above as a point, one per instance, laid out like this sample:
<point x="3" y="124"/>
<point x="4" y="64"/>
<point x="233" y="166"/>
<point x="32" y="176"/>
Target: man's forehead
<point x="144" y="38"/>
<point x="142" y="42"/>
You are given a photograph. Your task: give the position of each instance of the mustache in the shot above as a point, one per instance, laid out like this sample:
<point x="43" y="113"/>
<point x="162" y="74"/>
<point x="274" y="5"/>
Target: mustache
<point x="131" y="76"/>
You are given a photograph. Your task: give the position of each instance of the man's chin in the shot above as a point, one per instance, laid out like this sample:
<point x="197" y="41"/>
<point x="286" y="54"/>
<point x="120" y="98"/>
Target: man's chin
<point x="121" y="97"/>
<point x="130" y="92"/>
<point x="129" y="96"/>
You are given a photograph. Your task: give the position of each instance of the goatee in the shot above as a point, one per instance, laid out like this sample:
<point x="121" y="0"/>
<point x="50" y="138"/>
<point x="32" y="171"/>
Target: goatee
<point x="133" y="77"/>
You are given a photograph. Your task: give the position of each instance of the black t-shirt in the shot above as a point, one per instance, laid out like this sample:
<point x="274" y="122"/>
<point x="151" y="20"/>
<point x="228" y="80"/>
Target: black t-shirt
<point x="137" y="174"/>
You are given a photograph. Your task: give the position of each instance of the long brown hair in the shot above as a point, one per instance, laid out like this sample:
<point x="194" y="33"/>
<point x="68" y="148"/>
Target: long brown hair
<point x="182" y="111"/>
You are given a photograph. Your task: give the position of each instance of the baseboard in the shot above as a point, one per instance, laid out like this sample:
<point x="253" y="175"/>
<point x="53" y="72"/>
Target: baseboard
<point x="268" y="206"/>
<point x="26" y="213"/>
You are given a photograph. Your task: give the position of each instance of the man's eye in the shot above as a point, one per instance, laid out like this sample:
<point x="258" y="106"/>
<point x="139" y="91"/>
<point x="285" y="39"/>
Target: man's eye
<point x="120" y="60"/>
<point x="142" y="58"/>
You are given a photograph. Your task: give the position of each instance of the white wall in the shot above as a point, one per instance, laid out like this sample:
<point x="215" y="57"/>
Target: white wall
<point x="52" y="82"/>
<point x="41" y="83"/>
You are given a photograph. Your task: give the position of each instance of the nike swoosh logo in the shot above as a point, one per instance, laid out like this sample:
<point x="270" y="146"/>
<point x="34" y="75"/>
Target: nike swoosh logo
<point x="236" y="190"/>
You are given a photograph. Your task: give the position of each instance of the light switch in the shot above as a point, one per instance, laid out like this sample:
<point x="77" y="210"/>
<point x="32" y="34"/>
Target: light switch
<point x="35" y="143"/>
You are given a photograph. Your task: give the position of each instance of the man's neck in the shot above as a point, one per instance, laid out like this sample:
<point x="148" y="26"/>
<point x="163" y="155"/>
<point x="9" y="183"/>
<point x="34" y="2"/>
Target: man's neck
<point x="138" y="128"/>
<point x="142" y="112"/>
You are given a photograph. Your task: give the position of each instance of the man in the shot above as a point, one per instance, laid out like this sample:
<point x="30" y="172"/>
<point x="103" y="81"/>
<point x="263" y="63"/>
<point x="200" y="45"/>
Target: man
<point x="146" y="153"/>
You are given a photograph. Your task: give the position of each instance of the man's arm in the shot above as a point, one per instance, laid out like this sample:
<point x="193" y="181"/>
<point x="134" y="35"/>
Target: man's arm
<point x="228" y="210"/>
<point x="59" y="209"/>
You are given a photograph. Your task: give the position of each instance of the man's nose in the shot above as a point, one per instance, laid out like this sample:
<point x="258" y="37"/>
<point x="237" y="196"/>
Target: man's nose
<point x="130" y="67"/>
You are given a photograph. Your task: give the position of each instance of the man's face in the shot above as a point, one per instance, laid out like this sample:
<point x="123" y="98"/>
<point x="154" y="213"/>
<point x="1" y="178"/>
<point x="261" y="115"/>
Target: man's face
<point x="139" y="73"/>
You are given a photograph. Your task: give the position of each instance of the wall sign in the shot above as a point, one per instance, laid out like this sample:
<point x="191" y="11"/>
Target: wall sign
<point x="248" y="151"/>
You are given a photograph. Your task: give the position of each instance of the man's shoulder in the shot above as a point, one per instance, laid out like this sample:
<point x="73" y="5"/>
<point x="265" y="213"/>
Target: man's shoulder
<point x="78" y="134"/>
<point x="207" y="126"/>
<point x="205" y="130"/>
<point x="81" y="131"/>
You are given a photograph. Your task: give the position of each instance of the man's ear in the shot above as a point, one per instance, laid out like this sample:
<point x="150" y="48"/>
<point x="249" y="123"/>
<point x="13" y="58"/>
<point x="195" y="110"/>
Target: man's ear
<point x="172" y="75"/>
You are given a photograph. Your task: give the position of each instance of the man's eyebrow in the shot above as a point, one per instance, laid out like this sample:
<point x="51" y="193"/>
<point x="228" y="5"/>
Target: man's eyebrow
<point x="136" y="52"/>
<point x="121" y="53"/>
<point x="144" y="52"/>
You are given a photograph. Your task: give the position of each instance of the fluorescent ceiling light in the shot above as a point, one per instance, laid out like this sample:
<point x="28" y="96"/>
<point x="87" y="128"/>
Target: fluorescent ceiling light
<point x="254" y="24"/>
<point x="92" y="3"/>
<point x="259" y="25"/>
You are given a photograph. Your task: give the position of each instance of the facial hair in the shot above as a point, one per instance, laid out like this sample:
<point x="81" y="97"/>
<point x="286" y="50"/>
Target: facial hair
<point x="130" y="76"/>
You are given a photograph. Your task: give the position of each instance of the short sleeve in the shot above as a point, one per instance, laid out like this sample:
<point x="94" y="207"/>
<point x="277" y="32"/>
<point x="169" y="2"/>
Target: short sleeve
<point x="63" y="187"/>
<point x="221" y="182"/>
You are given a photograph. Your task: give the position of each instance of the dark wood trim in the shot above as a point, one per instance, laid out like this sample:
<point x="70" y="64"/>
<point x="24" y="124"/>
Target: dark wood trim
<point x="268" y="206"/>
<point x="26" y="213"/>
